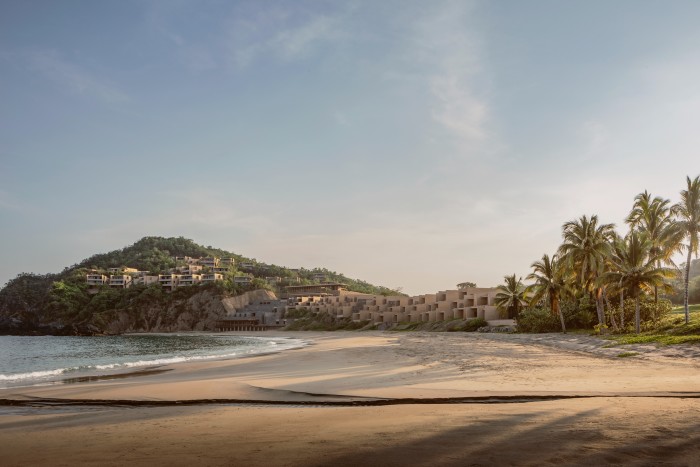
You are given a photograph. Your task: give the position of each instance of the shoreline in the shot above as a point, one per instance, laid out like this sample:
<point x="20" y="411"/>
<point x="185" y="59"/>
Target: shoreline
<point x="410" y="354"/>
<point x="140" y="365"/>
<point x="374" y="398"/>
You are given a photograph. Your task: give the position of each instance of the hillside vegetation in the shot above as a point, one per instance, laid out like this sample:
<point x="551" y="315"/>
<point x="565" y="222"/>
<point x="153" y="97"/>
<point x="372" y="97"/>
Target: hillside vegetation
<point x="61" y="304"/>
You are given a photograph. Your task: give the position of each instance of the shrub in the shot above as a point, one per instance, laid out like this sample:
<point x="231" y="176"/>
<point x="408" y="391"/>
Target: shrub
<point x="537" y="320"/>
<point x="650" y="313"/>
<point x="474" y="324"/>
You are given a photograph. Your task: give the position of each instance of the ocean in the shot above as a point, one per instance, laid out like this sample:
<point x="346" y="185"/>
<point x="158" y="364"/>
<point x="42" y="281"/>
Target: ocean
<point x="32" y="360"/>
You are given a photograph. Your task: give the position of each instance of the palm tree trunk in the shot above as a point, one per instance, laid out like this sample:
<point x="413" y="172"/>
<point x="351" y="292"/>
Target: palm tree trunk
<point x="599" y="308"/>
<point x="636" y="313"/>
<point x="622" y="309"/>
<point x="687" y="279"/>
<point x="557" y="308"/>
<point x="656" y="289"/>
<point x="612" y="315"/>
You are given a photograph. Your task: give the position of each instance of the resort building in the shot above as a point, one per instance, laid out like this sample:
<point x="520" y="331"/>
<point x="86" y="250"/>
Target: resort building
<point x="247" y="266"/>
<point x="209" y="262"/>
<point x="121" y="281"/>
<point x="169" y="281"/>
<point x="189" y="279"/>
<point x="189" y="269"/>
<point x="212" y="277"/>
<point x="186" y="259"/>
<point x="122" y="270"/>
<point x="227" y="262"/>
<point x="95" y="279"/>
<point x="442" y="306"/>
<point x="242" y="280"/>
<point x="325" y="288"/>
<point x="145" y="280"/>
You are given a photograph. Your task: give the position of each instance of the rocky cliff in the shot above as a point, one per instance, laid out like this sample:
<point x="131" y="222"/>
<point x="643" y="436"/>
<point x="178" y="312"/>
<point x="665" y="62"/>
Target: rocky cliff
<point x="198" y="313"/>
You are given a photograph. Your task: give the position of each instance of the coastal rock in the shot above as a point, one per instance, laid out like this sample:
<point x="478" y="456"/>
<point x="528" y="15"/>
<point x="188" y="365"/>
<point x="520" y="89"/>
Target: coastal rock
<point x="233" y="304"/>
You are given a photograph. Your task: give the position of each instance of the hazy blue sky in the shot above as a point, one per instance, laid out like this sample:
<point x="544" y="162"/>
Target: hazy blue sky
<point x="408" y="143"/>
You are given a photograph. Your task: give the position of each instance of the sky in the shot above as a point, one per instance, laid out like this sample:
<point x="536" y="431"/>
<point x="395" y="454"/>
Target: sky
<point x="407" y="143"/>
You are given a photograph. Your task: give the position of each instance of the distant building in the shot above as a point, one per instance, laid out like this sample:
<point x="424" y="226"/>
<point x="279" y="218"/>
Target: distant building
<point x="169" y="281"/>
<point x="145" y="280"/>
<point x="121" y="281"/>
<point x="95" y="279"/>
<point x="122" y="270"/>
<point x="189" y="279"/>
<point x="185" y="259"/>
<point x="210" y="261"/>
<point x="315" y="289"/>
<point x="242" y="280"/>
<point x="212" y="277"/>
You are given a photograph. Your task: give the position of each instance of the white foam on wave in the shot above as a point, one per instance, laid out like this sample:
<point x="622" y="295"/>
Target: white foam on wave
<point x="36" y="374"/>
<point x="49" y="375"/>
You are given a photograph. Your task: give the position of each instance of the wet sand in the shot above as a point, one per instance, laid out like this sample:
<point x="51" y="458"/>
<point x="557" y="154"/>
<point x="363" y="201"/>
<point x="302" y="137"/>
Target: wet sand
<point x="377" y="399"/>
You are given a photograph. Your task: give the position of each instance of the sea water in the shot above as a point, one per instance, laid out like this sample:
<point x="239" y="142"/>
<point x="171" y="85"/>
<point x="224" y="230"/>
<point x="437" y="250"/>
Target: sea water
<point x="31" y="360"/>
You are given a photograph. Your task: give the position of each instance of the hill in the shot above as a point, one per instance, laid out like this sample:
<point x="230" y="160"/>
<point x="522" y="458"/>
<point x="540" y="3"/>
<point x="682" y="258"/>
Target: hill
<point x="63" y="303"/>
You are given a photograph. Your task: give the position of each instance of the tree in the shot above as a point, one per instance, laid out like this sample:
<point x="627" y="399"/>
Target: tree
<point x="653" y="216"/>
<point x="466" y="285"/>
<point x="635" y="268"/>
<point x="687" y="212"/>
<point x="550" y="283"/>
<point x="511" y="295"/>
<point x="585" y="248"/>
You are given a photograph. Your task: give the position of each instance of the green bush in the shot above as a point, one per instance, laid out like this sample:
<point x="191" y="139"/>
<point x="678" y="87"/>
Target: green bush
<point x="537" y="320"/>
<point x="474" y="324"/>
<point x="650" y="314"/>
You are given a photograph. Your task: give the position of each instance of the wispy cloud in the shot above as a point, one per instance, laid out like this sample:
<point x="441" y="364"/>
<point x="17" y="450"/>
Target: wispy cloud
<point x="280" y="34"/>
<point x="71" y="76"/>
<point x="448" y="47"/>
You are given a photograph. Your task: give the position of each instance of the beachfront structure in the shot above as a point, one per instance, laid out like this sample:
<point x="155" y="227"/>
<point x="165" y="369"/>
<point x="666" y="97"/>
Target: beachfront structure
<point x="441" y="306"/>
<point x="95" y="279"/>
<point x="121" y="281"/>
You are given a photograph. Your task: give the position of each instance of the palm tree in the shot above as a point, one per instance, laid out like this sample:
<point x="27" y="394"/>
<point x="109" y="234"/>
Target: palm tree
<point x="635" y="268"/>
<point x="550" y="282"/>
<point x="511" y="295"/>
<point x="687" y="212"/>
<point x="585" y="248"/>
<point x="653" y="216"/>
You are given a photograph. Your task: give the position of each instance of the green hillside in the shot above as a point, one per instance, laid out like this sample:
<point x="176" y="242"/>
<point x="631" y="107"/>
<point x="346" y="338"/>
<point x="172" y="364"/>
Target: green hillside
<point x="52" y="303"/>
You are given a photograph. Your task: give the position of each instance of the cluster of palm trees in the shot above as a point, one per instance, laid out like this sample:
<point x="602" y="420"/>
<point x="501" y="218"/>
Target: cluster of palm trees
<point x="593" y="259"/>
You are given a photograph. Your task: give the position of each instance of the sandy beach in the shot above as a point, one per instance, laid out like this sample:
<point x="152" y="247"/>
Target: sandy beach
<point x="352" y="398"/>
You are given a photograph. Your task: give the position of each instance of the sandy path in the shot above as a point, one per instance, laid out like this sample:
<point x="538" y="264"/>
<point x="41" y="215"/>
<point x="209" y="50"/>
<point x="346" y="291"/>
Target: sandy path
<point x="598" y="430"/>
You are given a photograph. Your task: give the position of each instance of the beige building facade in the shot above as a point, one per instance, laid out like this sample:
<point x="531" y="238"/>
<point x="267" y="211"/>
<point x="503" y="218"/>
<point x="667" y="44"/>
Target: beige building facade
<point x="441" y="306"/>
